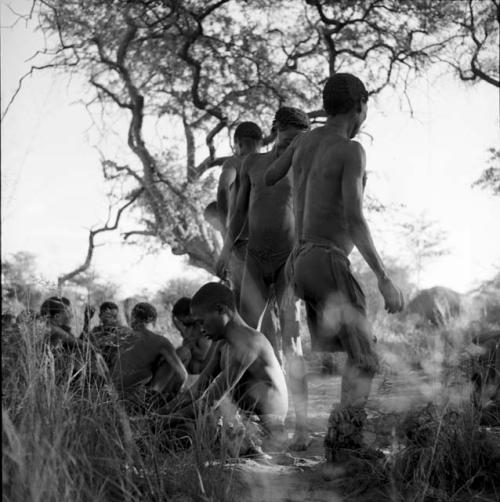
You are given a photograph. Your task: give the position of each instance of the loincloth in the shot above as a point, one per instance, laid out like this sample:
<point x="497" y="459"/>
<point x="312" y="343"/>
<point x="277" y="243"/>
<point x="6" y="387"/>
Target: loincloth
<point x="335" y="302"/>
<point x="266" y="263"/>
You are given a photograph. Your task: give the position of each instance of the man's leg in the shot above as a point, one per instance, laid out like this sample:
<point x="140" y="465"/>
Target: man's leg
<point x="254" y="295"/>
<point x="345" y="424"/>
<point x="295" y="363"/>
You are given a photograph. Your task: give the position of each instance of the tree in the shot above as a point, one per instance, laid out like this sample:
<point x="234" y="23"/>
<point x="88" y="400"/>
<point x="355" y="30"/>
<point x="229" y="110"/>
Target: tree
<point x="475" y="54"/>
<point x="425" y="241"/>
<point x="21" y="285"/>
<point x="194" y="68"/>
<point x="490" y="177"/>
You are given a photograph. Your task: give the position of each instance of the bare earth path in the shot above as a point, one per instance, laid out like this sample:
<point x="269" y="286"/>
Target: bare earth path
<point x="297" y="476"/>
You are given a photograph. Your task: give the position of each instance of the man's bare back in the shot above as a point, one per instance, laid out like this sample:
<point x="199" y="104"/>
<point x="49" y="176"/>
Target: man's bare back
<point x="270" y="215"/>
<point x="262" y="387"/>
<point x="319" y="160"/>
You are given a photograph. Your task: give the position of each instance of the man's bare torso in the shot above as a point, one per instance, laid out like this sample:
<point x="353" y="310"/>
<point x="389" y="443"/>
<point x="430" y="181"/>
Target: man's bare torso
<point x="270" y="213"/>
<point x="263" y="384"/>
<point x="318" y="165"/>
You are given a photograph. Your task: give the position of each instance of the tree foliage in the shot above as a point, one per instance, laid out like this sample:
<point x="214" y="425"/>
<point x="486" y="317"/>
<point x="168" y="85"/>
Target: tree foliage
<point x="490" y="177"/>
<point x="191" y="69"/>
<point x="21" y="285"/>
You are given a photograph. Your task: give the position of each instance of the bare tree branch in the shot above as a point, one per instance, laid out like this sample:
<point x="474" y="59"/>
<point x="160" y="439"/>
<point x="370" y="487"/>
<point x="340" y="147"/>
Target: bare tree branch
<point x="91" y="242"/>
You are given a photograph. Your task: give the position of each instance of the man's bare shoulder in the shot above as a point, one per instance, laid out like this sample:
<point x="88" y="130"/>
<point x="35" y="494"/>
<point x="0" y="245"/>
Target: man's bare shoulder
<point x="354" y="154"/>
<point x="231" y="163"/>
<point x="243" y="336"/>
<point x="255" y="160"/>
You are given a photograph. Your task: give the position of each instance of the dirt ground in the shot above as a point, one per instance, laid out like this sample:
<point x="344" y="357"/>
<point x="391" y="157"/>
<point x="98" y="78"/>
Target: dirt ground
<point x="299" y="476"/>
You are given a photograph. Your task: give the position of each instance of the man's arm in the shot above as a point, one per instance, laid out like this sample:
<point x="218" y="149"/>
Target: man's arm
<point x="233" y="368"/>
<point x="352" y="196"/>
<point x="238" y="219"/>
<point x="168" y="353"/>
<point x="227" y="177"/>
<point x="280" y="167"/>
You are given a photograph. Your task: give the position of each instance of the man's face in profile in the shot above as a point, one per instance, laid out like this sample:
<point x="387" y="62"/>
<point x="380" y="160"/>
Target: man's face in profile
<point x="360" y="118"/>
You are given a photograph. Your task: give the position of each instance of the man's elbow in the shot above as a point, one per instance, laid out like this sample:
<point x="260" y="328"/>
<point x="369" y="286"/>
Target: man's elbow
<point x="355" y="222"/>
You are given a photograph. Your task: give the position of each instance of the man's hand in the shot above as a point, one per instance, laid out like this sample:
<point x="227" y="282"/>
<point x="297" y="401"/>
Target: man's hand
<point x="221" y="265"/>
<point x="394" y="299"/>
<point x="88" y="312"/>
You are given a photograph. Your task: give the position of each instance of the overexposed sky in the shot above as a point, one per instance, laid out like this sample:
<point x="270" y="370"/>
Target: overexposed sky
<point x="53" y="190"/>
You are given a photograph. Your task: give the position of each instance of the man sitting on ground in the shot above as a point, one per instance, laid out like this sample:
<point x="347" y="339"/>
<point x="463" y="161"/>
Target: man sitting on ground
<point x="146" y="357"/>
<point x="108" y="335"/>
<point x="245" y="368"/>
<point x="57" y="313"/>
<point x="195" y="347"/>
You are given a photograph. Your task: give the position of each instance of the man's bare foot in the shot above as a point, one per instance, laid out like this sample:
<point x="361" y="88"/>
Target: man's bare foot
<point x="301" y="441"/>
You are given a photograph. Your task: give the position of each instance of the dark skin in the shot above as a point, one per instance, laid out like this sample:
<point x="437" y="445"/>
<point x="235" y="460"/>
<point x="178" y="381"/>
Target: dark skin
<point x="228" y="182"/>
<point x="328" y="162"/>
<point x="271" y="229"/>
<point x="329" y="179"/>
<point x="243" y="364"/>
<point x="150" y="358"/>
<point x="195" y="347"/>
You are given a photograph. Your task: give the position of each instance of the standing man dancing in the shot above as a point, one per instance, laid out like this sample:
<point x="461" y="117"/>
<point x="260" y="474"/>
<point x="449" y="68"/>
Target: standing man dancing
<point x="271" y="236"/>
<point x="329" y="179"/>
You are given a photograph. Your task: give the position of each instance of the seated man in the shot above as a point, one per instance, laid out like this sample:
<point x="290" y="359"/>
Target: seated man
<point x="57" y="313"/>
<point x="245" y="367"/>
<point x="107" y="336"/>
<point x="145" y="357"/>
<point x="195" y="347"/>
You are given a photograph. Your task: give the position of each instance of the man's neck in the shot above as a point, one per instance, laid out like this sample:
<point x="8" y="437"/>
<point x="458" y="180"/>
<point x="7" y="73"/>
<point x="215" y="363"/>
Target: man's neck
<point x="341" y="125"/>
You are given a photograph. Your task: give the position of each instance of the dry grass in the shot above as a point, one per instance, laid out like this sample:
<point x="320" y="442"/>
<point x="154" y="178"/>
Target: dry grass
<point x="65" y="438"/>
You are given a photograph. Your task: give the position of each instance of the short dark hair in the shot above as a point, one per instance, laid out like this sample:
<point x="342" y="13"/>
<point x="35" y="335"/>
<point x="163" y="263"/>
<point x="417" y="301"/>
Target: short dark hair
<point x="342" y="93"/>
<point x="287" y="116"/>
<point x="144" y="312"/>
<point x="54" y="305"/>
<point x="248" y="130"/>
<point x="182" y="307"/>
<point x="107" y="306"/>
<point x="211" y="295"/>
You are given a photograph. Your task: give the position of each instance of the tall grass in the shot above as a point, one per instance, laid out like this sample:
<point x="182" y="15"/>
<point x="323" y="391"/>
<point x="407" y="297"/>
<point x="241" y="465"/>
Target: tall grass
<point x="65" y="437"/>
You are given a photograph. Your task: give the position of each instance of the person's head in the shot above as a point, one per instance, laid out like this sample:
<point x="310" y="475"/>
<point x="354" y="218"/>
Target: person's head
<point x="108" y="314"/>
<point x="287" y="123"/>
<point x="345" y="94"/>
<point x="247" y="138"/>
<point x="58" y="310"/>
<point x="213" y="306"/>
<point x="143" y="313"/>
<point x="181" y="315"/>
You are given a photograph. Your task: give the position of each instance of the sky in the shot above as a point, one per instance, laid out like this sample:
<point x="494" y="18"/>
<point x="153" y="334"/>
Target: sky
<point x="53" y="190"/>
